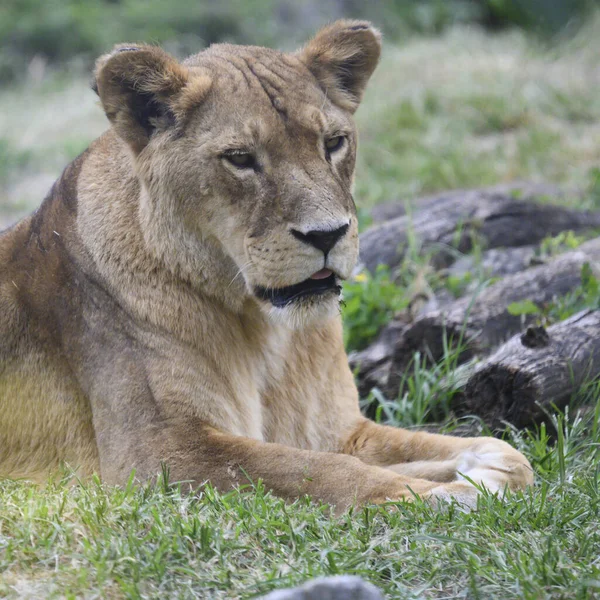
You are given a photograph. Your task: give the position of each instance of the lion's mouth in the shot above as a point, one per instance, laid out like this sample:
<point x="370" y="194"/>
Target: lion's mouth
<point x="318" y="284"/>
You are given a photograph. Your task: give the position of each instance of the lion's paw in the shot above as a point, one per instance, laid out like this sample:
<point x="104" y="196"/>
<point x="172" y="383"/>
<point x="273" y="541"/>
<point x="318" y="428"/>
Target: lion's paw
<point x="495" y="465"/>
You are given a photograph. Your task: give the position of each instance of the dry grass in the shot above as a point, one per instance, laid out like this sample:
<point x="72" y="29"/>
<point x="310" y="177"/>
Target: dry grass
<point x="470" y="109"/>
<point x="44" y="124"/>
<point x="463" y="109"/>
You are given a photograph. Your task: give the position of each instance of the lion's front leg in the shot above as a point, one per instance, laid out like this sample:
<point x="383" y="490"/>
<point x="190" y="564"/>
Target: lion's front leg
<point x="443" y="458"/>
<point x="196" y="453"/>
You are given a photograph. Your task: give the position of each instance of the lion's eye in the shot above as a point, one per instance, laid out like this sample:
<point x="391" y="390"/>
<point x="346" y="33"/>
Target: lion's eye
<point x="334" y="143"/>
<point x="241" y="160"/>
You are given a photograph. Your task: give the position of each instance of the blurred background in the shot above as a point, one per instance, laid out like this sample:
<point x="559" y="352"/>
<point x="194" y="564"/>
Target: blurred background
<point x="469" y="92"/>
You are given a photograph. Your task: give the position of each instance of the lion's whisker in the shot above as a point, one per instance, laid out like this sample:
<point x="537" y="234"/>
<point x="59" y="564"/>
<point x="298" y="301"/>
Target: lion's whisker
<point x="239" y="272"/>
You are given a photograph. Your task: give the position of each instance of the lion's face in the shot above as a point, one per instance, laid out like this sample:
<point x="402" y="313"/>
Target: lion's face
<point x="271" y="181"/>
<point x="252" y="156"/>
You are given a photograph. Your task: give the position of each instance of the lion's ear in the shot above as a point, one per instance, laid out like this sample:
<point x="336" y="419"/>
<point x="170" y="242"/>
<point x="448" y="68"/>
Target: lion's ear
<point x="140" y="88"/>
<point x="342" y="56"/>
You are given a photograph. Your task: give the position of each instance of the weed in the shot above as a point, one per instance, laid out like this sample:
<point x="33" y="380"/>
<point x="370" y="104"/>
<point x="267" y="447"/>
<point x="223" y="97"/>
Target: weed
<point x="370" y="301"/>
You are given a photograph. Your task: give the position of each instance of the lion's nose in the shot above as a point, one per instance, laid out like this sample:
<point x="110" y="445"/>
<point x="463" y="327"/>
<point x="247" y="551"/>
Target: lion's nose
<point x="322" y="239"/>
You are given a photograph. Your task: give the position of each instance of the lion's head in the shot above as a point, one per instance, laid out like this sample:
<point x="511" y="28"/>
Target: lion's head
<point x="246" y="158"/>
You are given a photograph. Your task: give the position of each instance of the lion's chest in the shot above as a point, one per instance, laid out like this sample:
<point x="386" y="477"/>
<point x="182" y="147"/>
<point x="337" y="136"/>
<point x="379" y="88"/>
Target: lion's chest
<point x="279" y="391"/>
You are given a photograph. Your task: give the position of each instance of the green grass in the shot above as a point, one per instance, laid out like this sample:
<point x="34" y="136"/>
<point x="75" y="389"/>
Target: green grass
<point x="468" y="109"/>
<point x="11" y="160"/>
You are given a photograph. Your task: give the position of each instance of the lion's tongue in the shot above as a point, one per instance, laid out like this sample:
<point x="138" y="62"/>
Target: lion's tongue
<point x="322" y="274"/>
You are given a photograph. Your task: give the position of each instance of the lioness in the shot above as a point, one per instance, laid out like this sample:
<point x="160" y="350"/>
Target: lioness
<point x="176" y="296"/>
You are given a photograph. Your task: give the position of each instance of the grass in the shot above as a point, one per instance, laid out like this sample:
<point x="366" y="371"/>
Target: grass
<point x="43" y="125"/>
<point x="586" y="296"/>
<point x="370" y="301"/>
<point x="462" y="109"/>
<point x="457" y="110"/>
<point x="59" y="30"/>
<point x="469" y="109"/>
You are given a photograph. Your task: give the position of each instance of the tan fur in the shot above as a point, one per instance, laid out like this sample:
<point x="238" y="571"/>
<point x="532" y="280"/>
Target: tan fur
<point x="134" y="328"/>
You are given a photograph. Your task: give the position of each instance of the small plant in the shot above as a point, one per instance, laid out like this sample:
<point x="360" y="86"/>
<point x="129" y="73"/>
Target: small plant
<point x="426" y="391"/>
<point x="523" y="308"/>
<point x="553" y="245"/>
<point x="370" y="302"/>
<point x="458" y="285"/>
<point x="584" y="296"/>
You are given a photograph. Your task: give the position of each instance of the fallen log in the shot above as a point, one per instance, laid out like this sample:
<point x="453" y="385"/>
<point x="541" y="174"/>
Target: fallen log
<point x="524" y="190"/>
<point x="481" y="323"/>
<point x="448" y="224"/>
<point x="372" y="365"/>
<point x="534" y="372"/>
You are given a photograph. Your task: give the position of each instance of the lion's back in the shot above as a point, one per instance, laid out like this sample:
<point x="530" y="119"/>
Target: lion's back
<point x="44" y="417"/>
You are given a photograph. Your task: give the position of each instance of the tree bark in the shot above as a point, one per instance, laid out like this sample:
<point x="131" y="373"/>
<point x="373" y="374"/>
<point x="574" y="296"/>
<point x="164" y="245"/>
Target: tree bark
<point x="534" y="372"/>
<point x="497" y="262"/>
<point x="449" y="223"/>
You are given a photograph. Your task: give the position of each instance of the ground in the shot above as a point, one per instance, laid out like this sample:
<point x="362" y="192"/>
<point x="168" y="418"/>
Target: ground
<point x="462" y="109"/>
